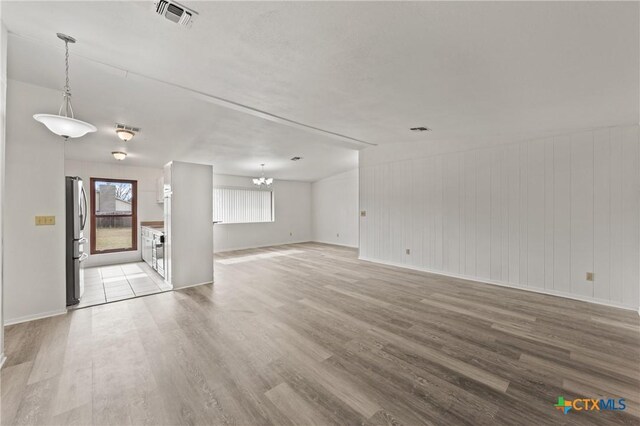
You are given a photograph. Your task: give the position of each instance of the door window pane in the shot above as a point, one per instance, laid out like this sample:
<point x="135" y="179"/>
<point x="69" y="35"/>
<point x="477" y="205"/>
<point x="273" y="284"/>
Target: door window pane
<point x="114" y="223"/>
<point x="113" y="198"/>
<point x="113" y="233"/>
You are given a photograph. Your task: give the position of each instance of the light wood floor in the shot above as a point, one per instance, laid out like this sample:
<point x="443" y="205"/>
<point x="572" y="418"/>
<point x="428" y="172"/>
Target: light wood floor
<point x="314" y="336"/>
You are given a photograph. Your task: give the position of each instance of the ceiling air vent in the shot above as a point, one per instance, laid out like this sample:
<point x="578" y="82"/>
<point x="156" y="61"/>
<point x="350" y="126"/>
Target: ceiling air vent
<point x="175" y="12"/>
<point x="420" y="129"/>
<point x="120" y="126"/>
<point x="296" y="158"/>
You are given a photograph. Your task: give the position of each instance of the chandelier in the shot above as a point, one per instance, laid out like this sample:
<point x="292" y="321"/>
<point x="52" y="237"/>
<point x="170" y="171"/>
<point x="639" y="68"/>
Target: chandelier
<point x="263" y="182"/>
<point x="65" y="125"/>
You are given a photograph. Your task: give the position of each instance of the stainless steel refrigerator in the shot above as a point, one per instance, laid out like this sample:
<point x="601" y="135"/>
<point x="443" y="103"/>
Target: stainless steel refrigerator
<point x="76" y="220"/>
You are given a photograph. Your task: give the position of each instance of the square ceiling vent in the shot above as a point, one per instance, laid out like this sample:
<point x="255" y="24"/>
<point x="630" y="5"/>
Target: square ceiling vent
<point x="175" y="12"/>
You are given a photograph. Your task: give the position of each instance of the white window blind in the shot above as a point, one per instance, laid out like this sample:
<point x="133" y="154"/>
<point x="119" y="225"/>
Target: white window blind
<point x="242" y="205"/>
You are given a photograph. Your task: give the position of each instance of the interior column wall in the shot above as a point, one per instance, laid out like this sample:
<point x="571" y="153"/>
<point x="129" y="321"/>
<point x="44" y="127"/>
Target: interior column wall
<point x="3" y="114"/>
<point x="334" y="209"/>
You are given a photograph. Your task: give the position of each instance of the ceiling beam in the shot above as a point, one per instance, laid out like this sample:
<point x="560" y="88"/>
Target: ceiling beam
<point x="226" y="103"/>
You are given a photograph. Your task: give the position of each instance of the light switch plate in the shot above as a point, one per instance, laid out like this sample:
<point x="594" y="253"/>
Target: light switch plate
<point x="45" y="220"/>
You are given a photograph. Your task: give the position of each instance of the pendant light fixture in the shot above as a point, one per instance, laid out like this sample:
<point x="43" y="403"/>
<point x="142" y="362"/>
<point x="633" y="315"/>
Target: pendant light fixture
<point x="263" y="182"/>
<point x="65" y="125"/>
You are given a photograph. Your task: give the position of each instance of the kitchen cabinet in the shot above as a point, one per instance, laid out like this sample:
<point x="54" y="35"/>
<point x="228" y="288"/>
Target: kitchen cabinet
<point x="147" y="241"/>
<point x="152" y="237"/>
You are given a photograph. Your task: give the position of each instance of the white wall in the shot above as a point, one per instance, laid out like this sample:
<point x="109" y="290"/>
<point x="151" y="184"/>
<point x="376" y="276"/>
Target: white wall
<point x="34" y="267"/>
<point x="189" y="224"/>
<point x="334" y="209"/>
<point x="292" y="216"/>
<point x="3" y="112"/>
<point x="536" y="215"/>
<point x="148" y="208"/>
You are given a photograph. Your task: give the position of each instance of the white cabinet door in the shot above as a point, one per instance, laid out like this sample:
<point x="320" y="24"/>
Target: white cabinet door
<point x="146" y="246"/>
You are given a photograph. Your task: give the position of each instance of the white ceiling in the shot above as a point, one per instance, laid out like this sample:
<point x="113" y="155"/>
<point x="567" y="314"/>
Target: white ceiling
<point x="365" y="70"/>
<point x="175" y="125"/>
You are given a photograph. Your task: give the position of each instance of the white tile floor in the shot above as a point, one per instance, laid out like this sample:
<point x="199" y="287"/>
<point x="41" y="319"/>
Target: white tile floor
<point x="117" y="282"/>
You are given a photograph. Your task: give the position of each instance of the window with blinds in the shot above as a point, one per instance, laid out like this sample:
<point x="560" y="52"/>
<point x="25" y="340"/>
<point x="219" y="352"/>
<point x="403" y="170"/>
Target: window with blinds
<point x="242" y="205"/>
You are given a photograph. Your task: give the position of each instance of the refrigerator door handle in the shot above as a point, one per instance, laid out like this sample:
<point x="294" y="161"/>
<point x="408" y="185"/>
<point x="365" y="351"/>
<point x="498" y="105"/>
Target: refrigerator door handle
<point x="83" y="210"/>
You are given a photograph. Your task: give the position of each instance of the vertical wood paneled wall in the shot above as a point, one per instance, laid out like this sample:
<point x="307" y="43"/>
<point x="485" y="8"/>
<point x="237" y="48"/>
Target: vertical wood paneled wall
<point x="537" y="215"/>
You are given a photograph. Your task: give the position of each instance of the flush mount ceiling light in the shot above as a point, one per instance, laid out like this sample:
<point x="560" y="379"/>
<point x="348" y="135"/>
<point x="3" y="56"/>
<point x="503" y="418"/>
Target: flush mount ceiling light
<point x="119" y="155"/>
<point x="126" y="133"/>
<point x="263" y="182"/>
<point x="420" y="129"/>
<point x="65" y="125"/>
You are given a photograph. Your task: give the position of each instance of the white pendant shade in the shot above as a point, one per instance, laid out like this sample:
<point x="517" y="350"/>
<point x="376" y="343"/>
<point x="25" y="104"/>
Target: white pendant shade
<point x="66" y="127"/>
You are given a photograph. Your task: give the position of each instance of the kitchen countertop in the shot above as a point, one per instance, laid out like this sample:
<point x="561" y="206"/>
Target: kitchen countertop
<point x="155" y="226"/>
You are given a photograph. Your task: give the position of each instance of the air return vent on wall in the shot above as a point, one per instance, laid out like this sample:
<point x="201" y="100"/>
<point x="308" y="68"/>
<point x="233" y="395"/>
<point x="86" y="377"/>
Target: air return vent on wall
<point x="175" y="12"/>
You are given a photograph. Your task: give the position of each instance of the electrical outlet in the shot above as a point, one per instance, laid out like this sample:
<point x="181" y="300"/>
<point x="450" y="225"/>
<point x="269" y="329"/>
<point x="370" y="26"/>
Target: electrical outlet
<point x="363" y="213"/>
<point x="45" y="220"/>
<point x="408" y="251"/>
<point x="589" y="276"/>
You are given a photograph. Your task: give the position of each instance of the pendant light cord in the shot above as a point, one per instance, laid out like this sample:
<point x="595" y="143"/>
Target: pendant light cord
<point x="66" y="104"/>
<point x="66" y="66"/>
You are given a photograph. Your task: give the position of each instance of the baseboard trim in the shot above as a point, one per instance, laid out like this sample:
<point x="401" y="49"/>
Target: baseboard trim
<point x="191" y="285"/>
<point x="260" y="246"/>
<point x="503" y="284"/>
<point x="34" y="317"/>
<point x="108" y="262"/>
<point x="333" y="244"/>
